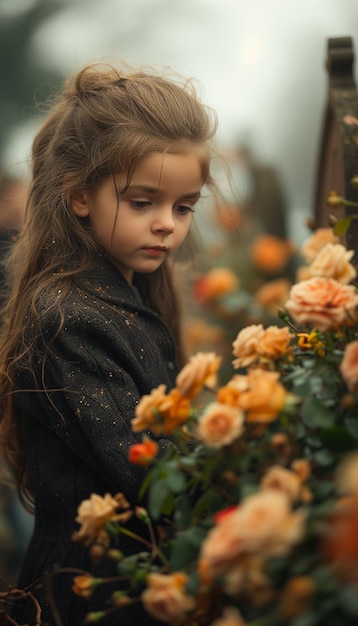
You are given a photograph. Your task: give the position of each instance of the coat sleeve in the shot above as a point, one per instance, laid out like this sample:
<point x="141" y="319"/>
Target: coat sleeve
<point x="87" y="393"/>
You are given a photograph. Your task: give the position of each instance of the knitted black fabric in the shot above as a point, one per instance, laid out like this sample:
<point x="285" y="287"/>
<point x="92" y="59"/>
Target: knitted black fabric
<point x="110" y="351"/>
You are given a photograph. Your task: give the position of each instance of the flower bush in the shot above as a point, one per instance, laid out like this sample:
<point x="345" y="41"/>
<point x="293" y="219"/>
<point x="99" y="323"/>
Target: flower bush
<point x="253" y="509"/>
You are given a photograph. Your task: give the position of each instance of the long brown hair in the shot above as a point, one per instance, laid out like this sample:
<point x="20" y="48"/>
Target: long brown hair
<point x="103" y="123"/>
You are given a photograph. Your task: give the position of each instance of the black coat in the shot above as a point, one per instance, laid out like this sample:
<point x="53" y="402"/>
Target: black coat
<point x="110" y="351"/>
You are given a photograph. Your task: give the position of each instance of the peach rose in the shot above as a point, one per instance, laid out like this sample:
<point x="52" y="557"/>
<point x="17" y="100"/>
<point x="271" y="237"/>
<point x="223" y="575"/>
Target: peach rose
<point x="270" y="253"/>
<point x="216" y="283"/>
<point x="322" y="303"/>
<point x="273" y="294"/>
<point x="349" y="366"/>
<point x="221" y="548"/>
<point x="263" y="525"/>
<point x="220" y="424"/>
<point x="93" y="513"/>
<point x="246" y="345"/>
<point x="230" y="617"/>
<point x="267" y="524"/>
<point x="312" y="246"/>
<point x="282" y="479"/>
<point x="165" y="597"/>
<point x="264" y="398"/>
<point x="199" y="372"/>
<point x="333" y="262"/>
<point x="347" y="475"/>
<point x="303" y="273"/>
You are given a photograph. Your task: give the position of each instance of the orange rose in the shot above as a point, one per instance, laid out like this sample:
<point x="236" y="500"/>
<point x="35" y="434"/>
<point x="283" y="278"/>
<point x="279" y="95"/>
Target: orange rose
<point x="228" y="217"/>
<point x="174" y="411"/>
<point x="297" y="597"/>
<point x="216" y="283"/>
<point x="273" y="294"/>
<point x="264" y="398"/>
<point x="246" y="345"/>
<point x="270" y="253"/>
<point x="322" y="303"/>
<point x="275" y="343"/>
<point x="349" y="366"/>
<point x="333" y="262"/>
<point x="146" y="412"/>
<point x="219" y="425"/>
<point x="312" y="246"/>
<point x="340" y="540"/>
<point x="199" y="372"/>
<point x="232" y="391"/>
<point x="143" y="453"/>
<point x="84" y="585"/>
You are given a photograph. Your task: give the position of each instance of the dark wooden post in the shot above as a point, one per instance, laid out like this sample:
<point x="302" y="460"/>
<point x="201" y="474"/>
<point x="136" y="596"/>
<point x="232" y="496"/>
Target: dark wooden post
<point x="338" y="161"/>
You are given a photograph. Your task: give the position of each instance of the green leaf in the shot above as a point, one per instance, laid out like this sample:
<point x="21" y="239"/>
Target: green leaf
<point x="175" y="481"/>
<point x="157" y="495"/>
<point x="349" y="599"/>
<point x="352" y="426"/>
<point x="341" y="227"/>
<point x="337" y="438"/>
<point x="186" y="547"/>
<point x="315" y="414"/>
<point x="183" y="512"/>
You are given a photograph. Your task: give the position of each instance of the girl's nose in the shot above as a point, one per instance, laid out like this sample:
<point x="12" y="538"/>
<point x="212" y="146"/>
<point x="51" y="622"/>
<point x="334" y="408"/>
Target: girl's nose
<point x="164" y="221"/>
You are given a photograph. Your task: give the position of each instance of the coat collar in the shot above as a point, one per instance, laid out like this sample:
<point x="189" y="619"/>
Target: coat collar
<point x="106" y="282"/>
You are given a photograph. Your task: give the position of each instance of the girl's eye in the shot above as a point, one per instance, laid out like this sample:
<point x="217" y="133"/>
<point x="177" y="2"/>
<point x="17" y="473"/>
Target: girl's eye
<point x="140" y="204"/>
<point x="183" y="209"/>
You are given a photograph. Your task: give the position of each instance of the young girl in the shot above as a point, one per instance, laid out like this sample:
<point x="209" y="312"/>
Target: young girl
<point x="92" y="320"/>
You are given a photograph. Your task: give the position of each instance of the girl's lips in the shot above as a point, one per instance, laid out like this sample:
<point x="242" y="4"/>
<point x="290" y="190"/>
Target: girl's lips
<point x="156" y="250"/>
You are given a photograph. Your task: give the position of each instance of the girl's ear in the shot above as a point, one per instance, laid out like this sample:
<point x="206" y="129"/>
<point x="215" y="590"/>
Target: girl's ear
<point x="80" y="204"/>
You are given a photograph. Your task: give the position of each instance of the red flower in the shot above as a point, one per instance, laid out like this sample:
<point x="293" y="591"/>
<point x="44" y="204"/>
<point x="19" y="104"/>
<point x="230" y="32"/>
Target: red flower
<point x="143" y="453"/>
<point x="219" y="515"/>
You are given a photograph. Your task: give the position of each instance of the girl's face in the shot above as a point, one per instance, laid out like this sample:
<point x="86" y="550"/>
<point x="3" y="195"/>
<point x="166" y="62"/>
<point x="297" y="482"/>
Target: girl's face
<point x="154" y="213"/>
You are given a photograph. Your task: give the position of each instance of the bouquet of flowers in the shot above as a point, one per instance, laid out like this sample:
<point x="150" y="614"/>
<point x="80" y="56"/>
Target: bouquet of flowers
<point x="252" y="512"/>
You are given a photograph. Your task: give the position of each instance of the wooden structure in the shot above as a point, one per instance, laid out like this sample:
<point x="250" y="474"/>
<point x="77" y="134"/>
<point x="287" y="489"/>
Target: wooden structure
<point x="338" y="161"/>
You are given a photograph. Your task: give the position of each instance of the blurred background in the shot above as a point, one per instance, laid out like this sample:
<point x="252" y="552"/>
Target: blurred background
<point x="261" y="66"/>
